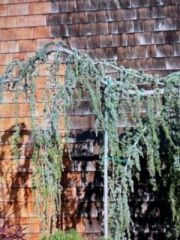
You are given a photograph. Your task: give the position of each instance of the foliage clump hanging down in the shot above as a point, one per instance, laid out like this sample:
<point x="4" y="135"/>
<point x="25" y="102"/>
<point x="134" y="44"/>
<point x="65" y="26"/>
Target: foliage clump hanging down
<point x="143" y="105"/>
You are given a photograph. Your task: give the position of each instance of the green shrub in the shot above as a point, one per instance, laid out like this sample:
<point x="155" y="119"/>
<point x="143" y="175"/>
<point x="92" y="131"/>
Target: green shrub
<point x="103" y="238"/>
<point x="60" y="235"/>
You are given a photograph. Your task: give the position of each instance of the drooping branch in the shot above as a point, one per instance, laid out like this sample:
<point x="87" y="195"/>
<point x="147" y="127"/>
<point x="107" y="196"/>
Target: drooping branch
<point x="122" y="100"/>
<point x="66" y="51"/>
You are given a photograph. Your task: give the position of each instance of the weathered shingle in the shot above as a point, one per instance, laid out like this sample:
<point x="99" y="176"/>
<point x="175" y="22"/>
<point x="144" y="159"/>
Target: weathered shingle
<point x="93" y="42"/>
<point x="119" y="23"/>
<point x="120" y="40"/>
<point x="164" y="50"/>
<point x="139" y="26"/>
<point x="90" y="17"/>
<point x="117" y="15"/>
<point x="146" y="64"/>
<point x="170" y="36"/>
<point x="159" y="63"/>
<point x="176" y="23"/>
<point x="143" y="13"/>
<point x="172" y="63"/>
<point x="130" y="39"/>
<point x="176" y="48"/>
<point x="130" y="14"/>
<point x="83" y="5"/>
<point x="140" y="3"/>
<point x="106" y="41"/>
<point x="103" y="16"/>
<point x="151" y="51"/>
<point x="159" y="12"/>
<point x="124" y="3"/>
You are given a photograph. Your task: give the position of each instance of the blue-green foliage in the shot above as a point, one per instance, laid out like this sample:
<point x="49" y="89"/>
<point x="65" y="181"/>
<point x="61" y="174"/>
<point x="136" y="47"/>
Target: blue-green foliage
<point x="140" y="114"/>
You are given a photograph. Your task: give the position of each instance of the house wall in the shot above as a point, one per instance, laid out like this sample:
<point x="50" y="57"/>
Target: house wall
<point x="141" y="34"/>
<point x="23" y="30"/>
<point x="138" y="34"/>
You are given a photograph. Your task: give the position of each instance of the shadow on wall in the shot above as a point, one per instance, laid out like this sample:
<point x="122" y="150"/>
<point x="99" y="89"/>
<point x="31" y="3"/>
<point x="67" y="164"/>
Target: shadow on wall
<point x="82" y="182"/>
<point x="83" y="185"/>
<point x="15" y="197"/>
<point x="150" y="209"/>
<point x="82" y="196"/>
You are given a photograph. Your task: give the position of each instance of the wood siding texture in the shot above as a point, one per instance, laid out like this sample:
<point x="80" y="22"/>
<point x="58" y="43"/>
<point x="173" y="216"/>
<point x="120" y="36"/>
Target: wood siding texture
<point x="138" y="34"/>
<point x="23" y="30"/>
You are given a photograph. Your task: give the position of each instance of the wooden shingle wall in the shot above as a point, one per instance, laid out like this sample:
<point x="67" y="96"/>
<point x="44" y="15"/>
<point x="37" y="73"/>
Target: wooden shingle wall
<point x="138" y="34"/>
<point x="23" y="30"/>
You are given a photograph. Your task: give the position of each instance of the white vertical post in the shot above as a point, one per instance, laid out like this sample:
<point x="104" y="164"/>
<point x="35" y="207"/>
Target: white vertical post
<point x="106" y="183"/>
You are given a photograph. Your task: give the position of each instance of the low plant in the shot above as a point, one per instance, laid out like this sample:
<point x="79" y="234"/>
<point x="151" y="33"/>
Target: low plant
<point x="103" y="238"/>
<point x="60" y="235"/>
<point x="10" y="232"/>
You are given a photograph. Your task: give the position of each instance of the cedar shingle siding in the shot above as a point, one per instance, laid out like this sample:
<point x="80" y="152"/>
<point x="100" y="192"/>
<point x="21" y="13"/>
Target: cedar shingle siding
<point x="128" y="31"/>
<point x="138" y="34"/>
